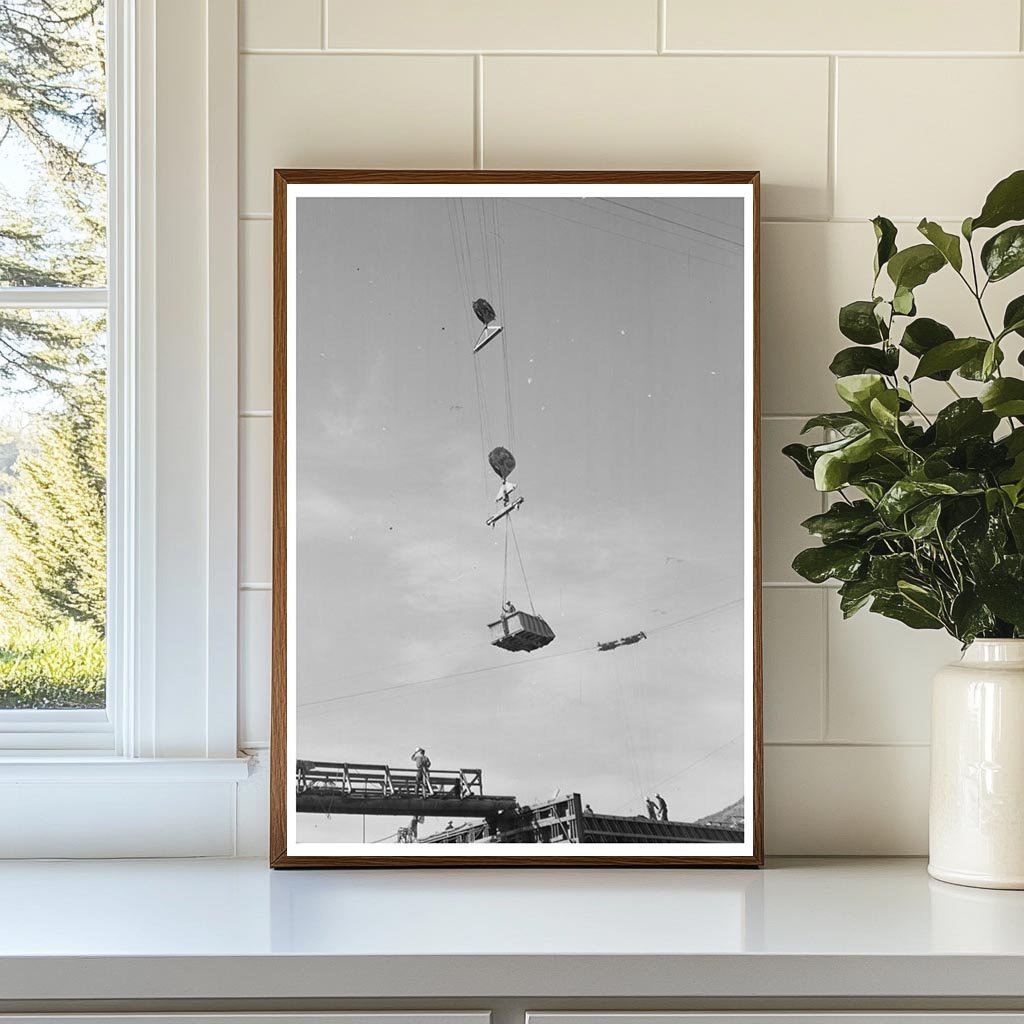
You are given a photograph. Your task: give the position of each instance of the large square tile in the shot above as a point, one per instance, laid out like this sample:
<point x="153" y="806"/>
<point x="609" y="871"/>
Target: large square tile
<point x="333" y="110"/>
<point x="880" y="677"/>
<point x="962" y="130"/>
<point x="692" y="113"/>
<point x="866" y="25"/>
<point x="794" y="641"/>
<point x="471" y="25"/>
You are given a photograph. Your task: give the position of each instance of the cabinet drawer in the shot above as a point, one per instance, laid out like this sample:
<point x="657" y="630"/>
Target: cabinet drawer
<point x="359" y="1017"/>
<point x="789" y="1017"/>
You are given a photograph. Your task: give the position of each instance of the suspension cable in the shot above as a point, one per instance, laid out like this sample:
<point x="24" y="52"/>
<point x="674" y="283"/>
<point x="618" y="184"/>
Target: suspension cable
<point x="522" y="568"/>
<point x="504" y="579"/>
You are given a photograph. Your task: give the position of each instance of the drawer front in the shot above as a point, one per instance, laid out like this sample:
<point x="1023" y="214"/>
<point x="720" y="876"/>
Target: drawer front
<point x="360" y="1017"/>
<point x="790" y="1017"/>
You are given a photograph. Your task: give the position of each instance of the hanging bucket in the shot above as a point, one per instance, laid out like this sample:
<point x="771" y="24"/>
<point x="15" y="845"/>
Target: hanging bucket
<point x="520" y="631"/>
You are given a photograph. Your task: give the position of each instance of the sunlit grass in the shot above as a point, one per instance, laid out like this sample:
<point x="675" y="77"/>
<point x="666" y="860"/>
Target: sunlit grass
<point x="62" y="667"/>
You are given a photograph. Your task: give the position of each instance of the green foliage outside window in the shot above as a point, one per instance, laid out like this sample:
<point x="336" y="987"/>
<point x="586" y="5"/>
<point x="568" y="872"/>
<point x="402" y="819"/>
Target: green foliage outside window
<point x="52" y="364"/>
<point x="927" y="521"/>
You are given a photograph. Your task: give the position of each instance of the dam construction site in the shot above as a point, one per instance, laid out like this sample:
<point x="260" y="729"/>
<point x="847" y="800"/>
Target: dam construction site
<point x="328" y="788"/>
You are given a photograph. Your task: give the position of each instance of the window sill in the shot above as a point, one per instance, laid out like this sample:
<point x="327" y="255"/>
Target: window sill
<point x="80" y="767"/>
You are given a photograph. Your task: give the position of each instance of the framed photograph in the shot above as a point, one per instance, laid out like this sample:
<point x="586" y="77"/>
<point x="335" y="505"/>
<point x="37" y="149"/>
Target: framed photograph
<point x="516" y="587"/>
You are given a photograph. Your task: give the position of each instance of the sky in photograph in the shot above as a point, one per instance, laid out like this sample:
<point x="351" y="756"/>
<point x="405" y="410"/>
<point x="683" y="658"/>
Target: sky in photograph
<point x="623" y="340"/>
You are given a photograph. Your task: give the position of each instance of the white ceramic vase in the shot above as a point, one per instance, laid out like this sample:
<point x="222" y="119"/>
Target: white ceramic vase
<point x="976" y="815"/>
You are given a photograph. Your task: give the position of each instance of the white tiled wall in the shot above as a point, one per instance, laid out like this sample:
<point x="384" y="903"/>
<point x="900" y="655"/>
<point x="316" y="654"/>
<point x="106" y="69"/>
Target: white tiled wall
<point x="907" y="109"/>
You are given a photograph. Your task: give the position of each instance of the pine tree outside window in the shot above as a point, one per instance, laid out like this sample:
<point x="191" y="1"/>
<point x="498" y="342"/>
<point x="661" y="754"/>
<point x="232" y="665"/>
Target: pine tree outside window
<point x="53" y="359"/>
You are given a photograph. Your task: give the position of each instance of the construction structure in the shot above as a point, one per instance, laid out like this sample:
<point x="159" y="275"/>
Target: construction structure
<point x="323" y="787"/>
<point x="328" y="787"/>
<point x="567" y="821"/>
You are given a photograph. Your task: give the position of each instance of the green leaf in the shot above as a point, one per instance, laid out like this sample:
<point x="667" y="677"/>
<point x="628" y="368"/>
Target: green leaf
<point x="971" y="617"/>
<point x="817" y="450"/>
<point x="863" y="447"/>
<point x="1015" y="519"/>
<point x="1005" y="202"/>
<point x="911" y="267"/>
<point x="849" y="361"/>
<point x="872" y="491"/>
<point x="854" y="595"/>
<point x="1014" y="441"/>
<point x="1005" y="596"/>
<point x="887" y="570"/>
<point x="842" y="521"/>
<point x="885" y="409"/>
<point x="885" y="237"/>
<point x="844" y="422"/>
<point x="799" y="455"/>
<point x="906" y="494"/>
<point x="857" y="321"/>
<point x="899" y="608"/>
<point x="964" y="418"/>
<point x="858" y="389"/>
<point x="995" y="500"/>
<point x="974" y="368"/>
<point x="1013" y="316"/>
<point x="947" y="244"/>
<point x="842" y="561"/>
<point x="1004" y="397"/>
<point x="925" y="518"/>
<point x="950" y="355"/>
<point x="903" y="302"/>
<point x="965" y="229"/>
<point x="923" y="335"/>
<point x="1003" y="254"/>
<point x="964" y="481"/>
<point x="831" y="471"/>
<point x="990" y="360"/>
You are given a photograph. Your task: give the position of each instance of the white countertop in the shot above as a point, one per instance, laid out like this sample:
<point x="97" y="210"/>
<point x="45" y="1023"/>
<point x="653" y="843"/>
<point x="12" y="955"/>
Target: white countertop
<point x="234" y="929"/>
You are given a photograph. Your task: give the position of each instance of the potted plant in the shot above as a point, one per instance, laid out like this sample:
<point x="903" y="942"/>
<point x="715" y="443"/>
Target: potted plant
<point x="926" y="521"/>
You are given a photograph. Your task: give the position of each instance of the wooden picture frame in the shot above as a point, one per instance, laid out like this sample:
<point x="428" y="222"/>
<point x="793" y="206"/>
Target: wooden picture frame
<point x="335" y="785"/>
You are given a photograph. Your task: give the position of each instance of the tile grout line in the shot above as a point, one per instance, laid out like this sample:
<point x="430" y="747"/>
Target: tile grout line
<point x="824" y="724"/>
<point x="259" y="51"/>
<point x="826" y="650"/>
<point x="799" y="585"/>
<point x="854" y="744"/>
<point x="833" y="134"/>
<point x="478" y="111"/>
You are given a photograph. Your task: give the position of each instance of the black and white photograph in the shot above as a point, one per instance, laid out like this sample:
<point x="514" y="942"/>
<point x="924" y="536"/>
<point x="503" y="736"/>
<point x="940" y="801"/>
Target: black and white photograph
<point x="515" y="520"/>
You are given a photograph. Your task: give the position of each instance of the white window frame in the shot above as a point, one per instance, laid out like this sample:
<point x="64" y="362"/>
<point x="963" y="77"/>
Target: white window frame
<point x="171" y="713"/>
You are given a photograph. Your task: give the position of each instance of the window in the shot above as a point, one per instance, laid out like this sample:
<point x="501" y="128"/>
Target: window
<point x="118" y="260"/>
<point x="53" y="361"/>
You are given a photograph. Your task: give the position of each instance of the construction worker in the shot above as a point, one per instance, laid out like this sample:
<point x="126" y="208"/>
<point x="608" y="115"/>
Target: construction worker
<point x="662" y="807"/>
<point x="422" y="762"/>
<point x="652" y="811"/>
<point x="588" y="809"/>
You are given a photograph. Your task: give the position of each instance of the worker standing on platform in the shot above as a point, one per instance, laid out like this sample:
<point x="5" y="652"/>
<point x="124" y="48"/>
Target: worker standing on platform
<point x="422" y="762"/>
<point x="662" y="807"/>
<point x="652" y="811"/>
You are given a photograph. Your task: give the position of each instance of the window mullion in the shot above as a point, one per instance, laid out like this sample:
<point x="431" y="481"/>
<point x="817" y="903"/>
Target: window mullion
<point x="53" y="298"/>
